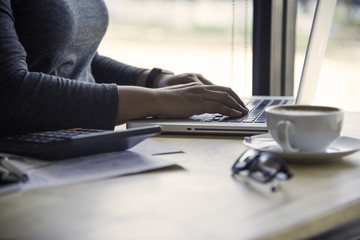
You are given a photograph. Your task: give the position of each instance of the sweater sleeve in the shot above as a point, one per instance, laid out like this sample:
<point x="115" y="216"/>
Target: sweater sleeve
<point x="33" y="101"/>
<point x="107" y="70"/>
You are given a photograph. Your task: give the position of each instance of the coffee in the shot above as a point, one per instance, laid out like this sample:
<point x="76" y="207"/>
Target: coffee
<point x="304" y="128"/>
<point x="305" y="110"/>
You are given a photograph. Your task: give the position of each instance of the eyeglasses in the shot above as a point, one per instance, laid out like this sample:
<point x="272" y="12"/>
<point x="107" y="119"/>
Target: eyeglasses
<point x="262" y="167"/>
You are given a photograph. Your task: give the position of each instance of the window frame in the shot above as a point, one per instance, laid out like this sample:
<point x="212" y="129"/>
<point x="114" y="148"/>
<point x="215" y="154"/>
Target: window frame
<point x="274" y="31"/>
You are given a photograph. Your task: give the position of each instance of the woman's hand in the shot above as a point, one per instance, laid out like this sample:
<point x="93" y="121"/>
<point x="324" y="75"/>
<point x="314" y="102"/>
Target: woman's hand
<point x="165" y="80"/>
<point x="195" y="98"/>
<point x="178" y="101"/>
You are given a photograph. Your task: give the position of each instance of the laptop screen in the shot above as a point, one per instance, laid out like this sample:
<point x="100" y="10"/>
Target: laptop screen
<point x="315" y="52"/>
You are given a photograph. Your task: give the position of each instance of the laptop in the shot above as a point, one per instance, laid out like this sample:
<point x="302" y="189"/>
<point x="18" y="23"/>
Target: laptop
<point x="255" y="121"/>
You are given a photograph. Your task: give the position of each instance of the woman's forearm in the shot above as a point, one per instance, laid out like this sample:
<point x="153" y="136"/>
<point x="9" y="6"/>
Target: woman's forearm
<point x="178" y="101"/>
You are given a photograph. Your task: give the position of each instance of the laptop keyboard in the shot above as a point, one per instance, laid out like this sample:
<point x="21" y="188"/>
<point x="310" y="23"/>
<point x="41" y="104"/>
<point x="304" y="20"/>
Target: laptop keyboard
<point x="256" y="114"/>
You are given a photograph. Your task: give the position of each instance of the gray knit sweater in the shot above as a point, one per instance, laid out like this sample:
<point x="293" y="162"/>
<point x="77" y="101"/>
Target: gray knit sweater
<point x="51" y="76"/>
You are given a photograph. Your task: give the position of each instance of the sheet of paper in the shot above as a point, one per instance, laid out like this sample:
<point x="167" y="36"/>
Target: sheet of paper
<point x="155" y="148"/>
<point x="90" y="168"/>
<point x="87" y="168"/>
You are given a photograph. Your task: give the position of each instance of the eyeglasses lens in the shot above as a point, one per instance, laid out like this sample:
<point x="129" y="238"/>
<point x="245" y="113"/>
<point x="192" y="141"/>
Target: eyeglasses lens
<point x="266" y="168"/>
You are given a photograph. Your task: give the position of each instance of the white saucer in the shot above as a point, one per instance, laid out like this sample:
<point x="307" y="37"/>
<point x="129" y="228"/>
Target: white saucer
<point x="341" y="147"/>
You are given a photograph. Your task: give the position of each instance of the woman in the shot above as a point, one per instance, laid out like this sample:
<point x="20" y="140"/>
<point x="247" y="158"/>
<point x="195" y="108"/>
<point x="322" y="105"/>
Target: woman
<point x="51" y="76"/>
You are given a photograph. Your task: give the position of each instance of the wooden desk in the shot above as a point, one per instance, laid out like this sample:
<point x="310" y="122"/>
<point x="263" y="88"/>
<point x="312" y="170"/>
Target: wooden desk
<point x="198" y="201"/>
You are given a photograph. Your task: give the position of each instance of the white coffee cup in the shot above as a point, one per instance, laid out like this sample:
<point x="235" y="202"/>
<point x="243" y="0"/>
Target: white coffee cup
<point x="304" y="128"/>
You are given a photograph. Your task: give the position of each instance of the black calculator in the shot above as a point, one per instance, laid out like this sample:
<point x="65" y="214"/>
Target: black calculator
<point x="62" y="144"/>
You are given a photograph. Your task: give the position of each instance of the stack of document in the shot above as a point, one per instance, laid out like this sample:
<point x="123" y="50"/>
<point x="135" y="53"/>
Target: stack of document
<point x="94" y="167"/>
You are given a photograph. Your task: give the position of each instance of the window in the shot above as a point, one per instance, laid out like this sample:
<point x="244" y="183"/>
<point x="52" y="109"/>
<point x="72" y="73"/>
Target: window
<point x="184" y="36"/>
<point x="340" y="75"/>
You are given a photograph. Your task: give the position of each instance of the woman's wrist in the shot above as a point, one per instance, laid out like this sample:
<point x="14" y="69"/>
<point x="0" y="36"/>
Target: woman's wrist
<point x="153" y="78"/>
<point x="136" y="102"/>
